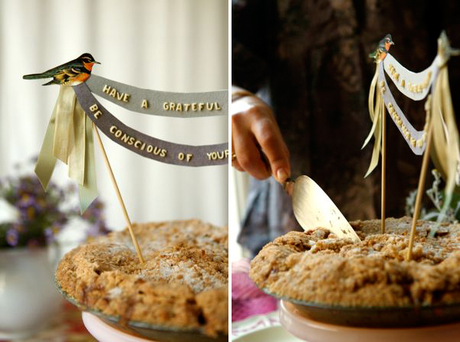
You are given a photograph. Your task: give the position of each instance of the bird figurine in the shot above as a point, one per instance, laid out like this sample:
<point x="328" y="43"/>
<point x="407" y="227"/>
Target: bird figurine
<point x="382" y="49"/>
<point x="71" y="73"/>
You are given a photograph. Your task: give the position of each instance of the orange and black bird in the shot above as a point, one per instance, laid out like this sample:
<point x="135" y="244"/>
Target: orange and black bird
<point x="71" y="73"/>
<point x="382" y="49"/>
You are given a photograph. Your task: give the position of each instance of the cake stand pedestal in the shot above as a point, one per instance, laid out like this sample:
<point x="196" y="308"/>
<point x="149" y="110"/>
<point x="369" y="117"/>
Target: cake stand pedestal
<point x="313" y="331"/>
<point x="104" y="332"/>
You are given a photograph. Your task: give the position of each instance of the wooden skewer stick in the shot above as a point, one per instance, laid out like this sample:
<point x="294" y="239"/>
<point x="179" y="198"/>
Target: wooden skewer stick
<point x="420" y="190"/>
<point x="120" y="199"/>
<point x="384" y="160"/>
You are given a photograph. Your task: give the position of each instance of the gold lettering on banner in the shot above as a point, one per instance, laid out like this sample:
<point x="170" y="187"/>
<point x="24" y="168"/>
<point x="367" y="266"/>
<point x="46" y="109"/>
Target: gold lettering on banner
<point x="123" y="97"/>
<point x="414" y="88"/>
<point x="217" y="155"/>
<point x="404" y="130"/>
<point x="145" y="104"/>
<point x="139" y="144"/>
<point x="131" y="141"/>
<point x="125" y="138"/>
<point x="187" y="156"/>
<point x="95" y="108"/>
<point x="195" y="106"/>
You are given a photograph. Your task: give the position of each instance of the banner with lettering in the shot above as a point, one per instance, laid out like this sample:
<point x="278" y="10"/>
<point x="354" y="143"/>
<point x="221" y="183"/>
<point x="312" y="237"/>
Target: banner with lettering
<point x="69" y="134"/>
<point x="440" y="129"/>
<point x="144" y="145"/>
<point x="161" y="103"/>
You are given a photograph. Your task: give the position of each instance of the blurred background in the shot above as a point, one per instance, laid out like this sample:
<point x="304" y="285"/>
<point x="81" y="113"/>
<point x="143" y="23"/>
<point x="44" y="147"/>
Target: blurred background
<point x="178" y="45"/>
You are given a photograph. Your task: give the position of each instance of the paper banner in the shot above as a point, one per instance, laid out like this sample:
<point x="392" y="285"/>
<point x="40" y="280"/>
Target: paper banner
<point x="147" y="146"/>
<point x="161" y="103"/>
<point x="414" y="138"/>
<point x="414" y="85"/>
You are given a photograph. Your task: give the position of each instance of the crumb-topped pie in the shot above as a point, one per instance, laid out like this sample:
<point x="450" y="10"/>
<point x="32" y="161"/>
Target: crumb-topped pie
<point x="317" y="267"/>
<point x="182" y="284"/>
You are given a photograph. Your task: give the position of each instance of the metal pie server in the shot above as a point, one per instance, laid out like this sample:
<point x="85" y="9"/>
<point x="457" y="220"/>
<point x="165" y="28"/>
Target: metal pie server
<point x="313" y="208"/>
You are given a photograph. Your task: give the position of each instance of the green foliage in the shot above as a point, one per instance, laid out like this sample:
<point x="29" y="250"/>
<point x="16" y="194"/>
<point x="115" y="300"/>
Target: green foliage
<point x="437" y="196"/>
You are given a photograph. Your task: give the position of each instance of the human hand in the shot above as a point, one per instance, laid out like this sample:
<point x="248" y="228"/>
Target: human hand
<point x="257" y="144"/>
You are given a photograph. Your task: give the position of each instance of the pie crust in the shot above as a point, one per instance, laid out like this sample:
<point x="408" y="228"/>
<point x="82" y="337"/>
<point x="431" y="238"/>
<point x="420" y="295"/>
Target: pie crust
<point x="183" y="283"/>
<point x="317" y="267"/>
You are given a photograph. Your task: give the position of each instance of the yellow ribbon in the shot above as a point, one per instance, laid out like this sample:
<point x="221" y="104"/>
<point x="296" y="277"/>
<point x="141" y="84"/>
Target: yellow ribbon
<point x="69" y="138"/>
<point x="446" y="150"/>
<point x="375" y="111"/>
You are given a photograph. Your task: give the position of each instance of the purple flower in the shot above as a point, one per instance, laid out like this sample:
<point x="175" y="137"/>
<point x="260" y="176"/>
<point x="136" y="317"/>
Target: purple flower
<point x="26" y="201"/>
<point x="40" y="215"/>
<point x="12" y="237"/>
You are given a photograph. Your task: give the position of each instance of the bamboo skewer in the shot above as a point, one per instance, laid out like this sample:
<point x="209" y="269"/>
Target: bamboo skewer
<point x="420" y="190"/>
<point x="384" y="159"/>
<point x="120" y="199"/>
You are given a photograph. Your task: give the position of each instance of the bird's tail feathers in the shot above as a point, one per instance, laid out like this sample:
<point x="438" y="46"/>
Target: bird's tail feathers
<point x="34" y="76"/>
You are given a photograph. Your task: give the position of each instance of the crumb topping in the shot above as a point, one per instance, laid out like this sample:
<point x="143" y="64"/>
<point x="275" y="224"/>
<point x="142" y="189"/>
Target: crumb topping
<point x="316" y="266"/>
<point x="183" y="282"/>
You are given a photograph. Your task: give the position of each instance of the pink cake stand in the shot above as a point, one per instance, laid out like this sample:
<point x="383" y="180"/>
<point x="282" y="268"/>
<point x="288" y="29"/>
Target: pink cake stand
<point x="104" y="332"/>
<point x="313" y="331"/>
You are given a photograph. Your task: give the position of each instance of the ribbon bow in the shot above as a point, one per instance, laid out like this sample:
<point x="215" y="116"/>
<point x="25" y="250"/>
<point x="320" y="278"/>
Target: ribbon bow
<point x="69" y="138"/>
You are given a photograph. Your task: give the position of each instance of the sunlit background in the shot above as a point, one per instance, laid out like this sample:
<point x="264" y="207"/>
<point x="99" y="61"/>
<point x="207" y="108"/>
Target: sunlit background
<point x="169" y="45"/>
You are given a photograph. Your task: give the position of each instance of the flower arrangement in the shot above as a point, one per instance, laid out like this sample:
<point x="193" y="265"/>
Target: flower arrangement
<point x="30" y="217"/>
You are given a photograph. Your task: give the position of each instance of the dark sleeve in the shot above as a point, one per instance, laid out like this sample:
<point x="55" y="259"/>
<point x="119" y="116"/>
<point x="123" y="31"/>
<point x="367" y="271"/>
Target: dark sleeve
<point x="253" y="41"/>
